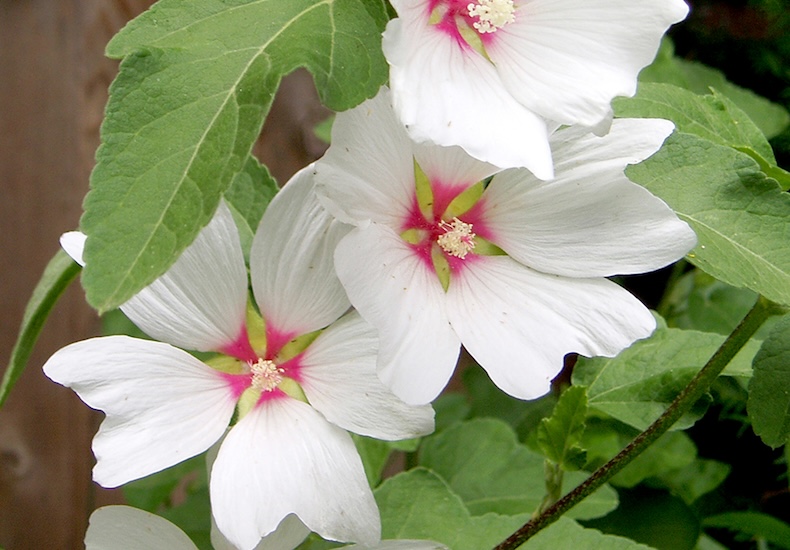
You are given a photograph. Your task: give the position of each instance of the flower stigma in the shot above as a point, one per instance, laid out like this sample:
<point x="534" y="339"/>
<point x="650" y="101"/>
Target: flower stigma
<point x="457" y="239"/>
<point x="266" y="375"/>
<point x="492" y="14"/>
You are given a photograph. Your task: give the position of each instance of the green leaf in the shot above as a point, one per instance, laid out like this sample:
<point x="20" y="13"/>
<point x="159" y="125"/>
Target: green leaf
<point x="700" y="302"/>
<point x="154" y="492"/>
<point x="487" y="400"/>
<point x="486" y="466"/>
<point x="195" y="84"/>
<point x="769" y="390"/>
<point x="566" y="533"/>
<point x="771" y="118"/>
<point x="59" y="273"/>
<point x="713" y="117"/>
<point x="450" y="408"/>
<point x="637" y="385"/>
<point x="249" y="194"/>
<point x="374" y="455"/>
<point x="418" y="504"/>
<point x="604" y="438"/>
<point x="754" y="524"/>
<point x="560" y="434"/>
<point x="696" y="479"/>
<point x="741" y="218"/>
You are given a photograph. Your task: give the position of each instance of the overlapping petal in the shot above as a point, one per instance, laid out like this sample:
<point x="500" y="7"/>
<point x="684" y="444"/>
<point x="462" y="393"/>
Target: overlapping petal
<point x="565" y="60"/>
<point x="519" y="323"/>
<point x="282" y="458"/>
<point x="339" y="378"/>
<point x="199" y="303"/>
<point x="399" y="293"/>
<point x="383" y="156"/>
<point x="124" y="527"/>
<point x="291" y="260"/>
<point x="449" y="94"/>
<point x="162" y="405"/>
<point x="591" y="221"/>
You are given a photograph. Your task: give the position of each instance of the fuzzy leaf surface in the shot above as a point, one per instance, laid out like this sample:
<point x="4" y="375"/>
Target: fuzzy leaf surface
<point x="769" y="389"/>
<point x="740" y="216"/>
<point x="637" y="386"/>
<point x="195" y="84"/>
<point x="484" y="464"/>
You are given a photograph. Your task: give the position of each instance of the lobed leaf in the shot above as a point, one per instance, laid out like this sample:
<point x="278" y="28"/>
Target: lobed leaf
<point x="195" y="84"/>
<point x="741" y="217"/>
<point x="771" y="118"/>
<point x="637" y="385"/>
<point x="418" y="504"/>
<point x="484" y="464"/>
<point x="58" y="274"/>
<point x="768" y="405"/>
<point x="712" y="116"/>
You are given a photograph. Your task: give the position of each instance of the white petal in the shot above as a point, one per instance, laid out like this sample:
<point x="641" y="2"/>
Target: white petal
<point x="451" y="95"/>
<point x="451" y="167"/>
<point x="124" y="527"/>
<point x="339" y="378"/>
<point x="289" y="534"/>
<point x="201" y="301"/>
<point x="162" y="405"/>
<point x="284" y="458"/>
<point x="519" y="324"/>
<point x="291" y="261"/>
<point x="368" y="171"/>
<point x="591" y="221"/>
<point x="567" y="59"/>
<point x="395" y="291"/>
<point x="73" y="243"/>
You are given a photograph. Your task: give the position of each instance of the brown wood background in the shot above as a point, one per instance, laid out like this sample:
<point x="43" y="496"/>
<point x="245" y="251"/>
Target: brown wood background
<point x="53" y="87"/>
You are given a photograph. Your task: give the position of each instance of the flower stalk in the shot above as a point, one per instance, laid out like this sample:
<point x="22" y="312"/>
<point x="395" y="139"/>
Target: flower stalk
<point x="760" y="312"/>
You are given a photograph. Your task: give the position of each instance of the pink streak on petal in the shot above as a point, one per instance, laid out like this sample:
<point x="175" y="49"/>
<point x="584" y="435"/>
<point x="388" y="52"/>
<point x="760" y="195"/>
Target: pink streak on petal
<point x="477" y="217"/>
<point x="443" y="195"/>
<point x="293" y="368"/>
<point x="268" y="396"/>
<point x="237" y="382"/>
<point x="275" y="340"/>
<point x="457" y="265"/>
<point x="240" y="348"/>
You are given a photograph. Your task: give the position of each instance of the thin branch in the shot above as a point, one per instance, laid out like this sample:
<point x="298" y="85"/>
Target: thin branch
<point x="682" y="403"/>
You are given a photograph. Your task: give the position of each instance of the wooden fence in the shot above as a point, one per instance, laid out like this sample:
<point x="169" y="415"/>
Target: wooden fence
<point x="53" y="87"/>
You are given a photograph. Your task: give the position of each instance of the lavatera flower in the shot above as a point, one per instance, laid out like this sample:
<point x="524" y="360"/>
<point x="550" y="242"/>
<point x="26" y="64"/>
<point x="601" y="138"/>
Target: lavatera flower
<point x="511" y="267"/>
<point x="490" y="75"/>
<point x="127" y="528"/>
<point x="299" y="375"/>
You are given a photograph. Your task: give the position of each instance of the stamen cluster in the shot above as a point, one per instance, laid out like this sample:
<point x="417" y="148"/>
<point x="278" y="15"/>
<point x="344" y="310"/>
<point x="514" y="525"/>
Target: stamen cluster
<point x="492" y="14"/>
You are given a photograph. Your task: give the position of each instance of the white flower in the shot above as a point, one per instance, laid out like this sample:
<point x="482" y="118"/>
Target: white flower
<point x="513" y="269"/>
<point x="488" y="75"/>
<point x="300" y="381"/>
<point x="127" y="528"/>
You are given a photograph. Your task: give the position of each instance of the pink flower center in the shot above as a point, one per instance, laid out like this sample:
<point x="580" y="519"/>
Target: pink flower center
<point x="472" y="24"/>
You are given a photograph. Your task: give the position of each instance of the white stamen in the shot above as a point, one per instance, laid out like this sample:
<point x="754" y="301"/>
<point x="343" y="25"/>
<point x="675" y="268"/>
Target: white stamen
<point x="266" y="375"/>
<point x="492" y="14"/>
<point x="458" y="239"/>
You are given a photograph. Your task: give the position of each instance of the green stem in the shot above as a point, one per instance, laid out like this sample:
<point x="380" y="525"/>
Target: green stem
<point x="682" y="403"/>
